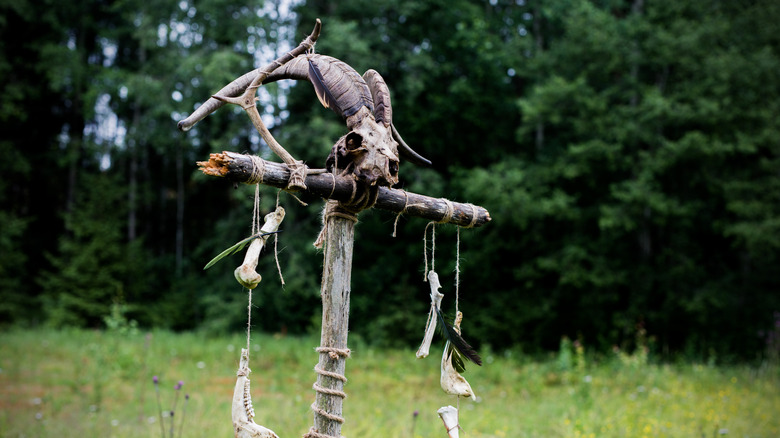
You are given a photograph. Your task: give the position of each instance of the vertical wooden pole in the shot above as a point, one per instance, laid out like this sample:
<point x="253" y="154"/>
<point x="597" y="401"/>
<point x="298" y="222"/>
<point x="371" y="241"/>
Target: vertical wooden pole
<point x="335" y="290"/>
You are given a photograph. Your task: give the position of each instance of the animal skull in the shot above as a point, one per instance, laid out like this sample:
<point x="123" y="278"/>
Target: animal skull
<point x="368" y="152"/>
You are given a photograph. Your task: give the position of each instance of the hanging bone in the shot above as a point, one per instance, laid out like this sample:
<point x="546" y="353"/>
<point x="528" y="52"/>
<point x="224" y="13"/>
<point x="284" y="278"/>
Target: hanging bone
<point x="244" y="425"/>
<point x="452" y="363"/>
<point x="433" y="314"/>
<point x="247" y="274"/>
<point x="449" y="415"/>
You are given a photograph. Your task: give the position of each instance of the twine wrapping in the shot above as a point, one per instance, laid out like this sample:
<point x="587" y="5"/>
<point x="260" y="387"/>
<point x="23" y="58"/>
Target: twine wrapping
<point x="297" y="174"/>
<point x="258" y="170"/>
<point x="474" y="216"/>
<point x="448" y="212"/>
<point x="334" y="354"/>
<point x="403" y="210"/>
<point x="312" y="433"/>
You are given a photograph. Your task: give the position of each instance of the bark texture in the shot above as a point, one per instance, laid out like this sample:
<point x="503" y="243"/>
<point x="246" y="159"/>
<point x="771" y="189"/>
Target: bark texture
<point x="241" y="168"/>
<point x="335" y="290"/>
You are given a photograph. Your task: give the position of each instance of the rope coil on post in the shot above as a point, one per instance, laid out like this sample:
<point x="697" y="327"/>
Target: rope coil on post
<point x="333" y="354"/>
<point x="314" y="434"/>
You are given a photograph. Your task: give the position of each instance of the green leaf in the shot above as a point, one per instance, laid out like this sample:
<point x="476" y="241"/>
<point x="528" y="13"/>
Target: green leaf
<point x="235" y="248"/>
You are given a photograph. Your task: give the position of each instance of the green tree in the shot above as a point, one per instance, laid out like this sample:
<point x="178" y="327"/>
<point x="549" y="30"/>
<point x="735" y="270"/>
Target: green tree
<point x="632" y="210"/>
<point x="89" y="269"/>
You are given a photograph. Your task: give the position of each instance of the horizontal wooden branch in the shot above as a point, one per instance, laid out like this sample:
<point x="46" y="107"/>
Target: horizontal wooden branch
<point x="242" y="169"/>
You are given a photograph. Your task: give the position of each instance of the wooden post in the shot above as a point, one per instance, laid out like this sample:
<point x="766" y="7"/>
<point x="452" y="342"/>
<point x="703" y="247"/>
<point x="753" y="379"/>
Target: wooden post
<point x="335" y="290"/>
<point x="339" y="226"/>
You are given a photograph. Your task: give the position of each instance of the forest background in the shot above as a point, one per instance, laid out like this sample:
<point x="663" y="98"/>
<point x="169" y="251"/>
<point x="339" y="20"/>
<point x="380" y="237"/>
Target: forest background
<point x="628" y="153"/>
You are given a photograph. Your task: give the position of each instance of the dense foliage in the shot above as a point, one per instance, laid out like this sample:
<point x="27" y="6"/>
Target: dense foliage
<point x="627" y="151"/>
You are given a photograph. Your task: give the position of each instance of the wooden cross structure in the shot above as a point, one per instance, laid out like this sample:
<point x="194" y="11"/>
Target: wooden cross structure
<point x="346" y="196"/>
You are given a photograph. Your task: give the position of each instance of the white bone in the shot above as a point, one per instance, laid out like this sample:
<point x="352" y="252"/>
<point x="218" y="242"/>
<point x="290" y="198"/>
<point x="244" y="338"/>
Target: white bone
<point x="449" y="415"/>
<point x="244" y="425"/>
<point x="246" y="274"/>
<point x="430" y="328"/>
<point x="451" y="381"/>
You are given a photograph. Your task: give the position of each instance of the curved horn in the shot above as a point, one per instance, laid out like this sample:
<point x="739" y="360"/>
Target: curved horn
<point x="383" y="110"/>
<point x="407" y="152"/>
<point x="338" y="86"/>
<point x="238" y="86"/>
<point x="383" y="113"/>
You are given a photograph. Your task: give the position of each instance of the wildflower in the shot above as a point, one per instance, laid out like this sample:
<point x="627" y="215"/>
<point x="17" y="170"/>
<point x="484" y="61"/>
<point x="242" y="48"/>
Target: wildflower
<point x="156" y="381"/>
<point x="176" y="399"/>
<point x="414" y="420"/>
<point x="183" y="411"/>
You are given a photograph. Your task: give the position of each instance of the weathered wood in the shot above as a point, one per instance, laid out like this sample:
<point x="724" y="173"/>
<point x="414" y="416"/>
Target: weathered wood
<point x="239" y="168"/>
<point x="335" y="290"/>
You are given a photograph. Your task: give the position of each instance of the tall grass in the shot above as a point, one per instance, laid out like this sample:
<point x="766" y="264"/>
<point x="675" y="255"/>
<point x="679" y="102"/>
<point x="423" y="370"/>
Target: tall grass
<point x="90" y="383"/>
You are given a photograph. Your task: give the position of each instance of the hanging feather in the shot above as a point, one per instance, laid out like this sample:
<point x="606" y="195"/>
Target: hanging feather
<point x="236" y="248"/>
<point x="320" y="87"/>
<point x="460" y="347"/>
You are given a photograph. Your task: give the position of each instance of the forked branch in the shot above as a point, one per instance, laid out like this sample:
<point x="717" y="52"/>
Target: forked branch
<point x="238" y="86"/>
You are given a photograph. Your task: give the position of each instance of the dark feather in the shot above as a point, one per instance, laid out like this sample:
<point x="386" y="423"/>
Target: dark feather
<point x="462" y="348"/>
<point x="235" y="248"/>
<point x="320" y="87"/>
<point x="457" y="358"/>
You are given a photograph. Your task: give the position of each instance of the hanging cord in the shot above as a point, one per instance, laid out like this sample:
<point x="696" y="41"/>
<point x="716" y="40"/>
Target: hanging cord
<point x="433" y="248"/>
<point x="446" y="218"/>
<point x="432" y="225"/>
<point x="403" y="210"/>
<point x="258" y="170"/>
<point x="457" y="272"/>
<point x="248" y="321"/>
<point x="255" y="230"/>
<point x="276" y="245"/>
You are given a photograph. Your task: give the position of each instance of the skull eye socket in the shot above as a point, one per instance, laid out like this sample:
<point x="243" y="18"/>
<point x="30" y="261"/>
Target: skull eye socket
<point x="353" y="141"/>
<point x="393" y="167"/>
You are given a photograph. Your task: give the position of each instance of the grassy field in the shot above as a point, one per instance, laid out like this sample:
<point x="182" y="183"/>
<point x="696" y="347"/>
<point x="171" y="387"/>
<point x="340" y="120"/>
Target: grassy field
<point x="90" y="383"/>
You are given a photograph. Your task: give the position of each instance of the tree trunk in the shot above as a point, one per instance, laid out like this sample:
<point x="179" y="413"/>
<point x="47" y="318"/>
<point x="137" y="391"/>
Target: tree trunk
<point x="179" y="207"/>
<point x="539" y="44"/>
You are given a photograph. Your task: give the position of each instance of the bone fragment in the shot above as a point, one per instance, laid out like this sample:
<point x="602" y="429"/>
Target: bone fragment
<point x="246" y="274"/>
<point x="430" y="328"/>
<point x="244" y="425"/>
<point x="451" y="381"/>
<point x="449" y="415"/>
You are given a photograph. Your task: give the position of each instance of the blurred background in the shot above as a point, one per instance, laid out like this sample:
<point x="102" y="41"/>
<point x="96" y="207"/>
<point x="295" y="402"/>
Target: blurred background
<point x="628" y="153"/>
